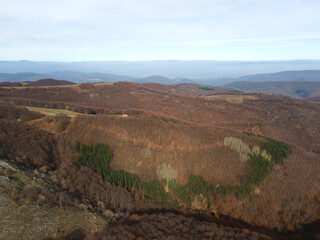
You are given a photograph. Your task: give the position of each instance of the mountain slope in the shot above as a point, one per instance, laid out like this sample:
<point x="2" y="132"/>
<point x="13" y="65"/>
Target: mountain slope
<point x="297" y="89"/>
<point x="213" y="138"/>
<point x="306" y="75"/>
<point x="65" y="75"/>
<point x="21" y="77"/>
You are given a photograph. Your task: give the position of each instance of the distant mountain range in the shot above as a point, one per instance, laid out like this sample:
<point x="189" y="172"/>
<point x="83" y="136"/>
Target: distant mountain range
<point x="22" y="77"/>
<point x="306" y="75"/>
<point x="202" y="70"/>
<point x="298" y="84"/>
<point x="301" y="75"/>
<point x="65" y="75"/>
<point x="80" y="77"/>
<point x="38" y="83"/>
<point x="162" y="80"/>
<point x="297" y="89"/>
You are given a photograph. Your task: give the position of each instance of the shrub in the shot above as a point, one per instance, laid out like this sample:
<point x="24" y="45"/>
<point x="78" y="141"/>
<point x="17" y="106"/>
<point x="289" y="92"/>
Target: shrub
<point x="299" y="91"/>
<point x="258" y="171"/>
<point x="154" y="189"/>
<point x="206" y="88"/>
<point x="177" y="189"/>
<point x="99" y="157"/>
<point x="278" y="150"/>
<point x="249" y="133"/>
<point x="235" y="91"/>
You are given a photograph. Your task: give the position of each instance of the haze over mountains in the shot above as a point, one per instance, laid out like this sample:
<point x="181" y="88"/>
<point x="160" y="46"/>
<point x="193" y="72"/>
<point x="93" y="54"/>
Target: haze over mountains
<point x="297" y="89"/>
<point x="294" y="83"/>
<point x="65" y="75"/>
<point x="298" y="84"/>
<point x="210" y="70"/>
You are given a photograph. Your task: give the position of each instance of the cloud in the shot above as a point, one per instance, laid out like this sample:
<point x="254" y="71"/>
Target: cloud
<point x="175" y="26"/>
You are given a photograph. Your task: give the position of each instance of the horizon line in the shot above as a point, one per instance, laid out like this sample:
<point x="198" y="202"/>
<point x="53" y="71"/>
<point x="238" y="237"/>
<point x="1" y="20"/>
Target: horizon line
<point x="162" y="60"/>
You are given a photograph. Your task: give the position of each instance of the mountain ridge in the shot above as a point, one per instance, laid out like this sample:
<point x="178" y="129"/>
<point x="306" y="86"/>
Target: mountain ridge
<point x="201" y="69"/>
<point x="296" y="89"/>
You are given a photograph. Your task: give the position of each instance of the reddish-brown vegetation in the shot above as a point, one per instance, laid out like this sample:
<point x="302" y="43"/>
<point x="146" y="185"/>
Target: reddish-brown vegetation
<point x="315" y="99"/>
<point x="49" y="82"/>
<point x="283" y="118"/>
<point x="26" y="144"/>
<point x="184" y="89"/>
<point x="10" y="84"/>
<point x="186" y="132"/>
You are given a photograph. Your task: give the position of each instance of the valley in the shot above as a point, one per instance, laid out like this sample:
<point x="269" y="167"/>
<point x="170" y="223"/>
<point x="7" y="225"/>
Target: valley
<point x="246" y="165"/>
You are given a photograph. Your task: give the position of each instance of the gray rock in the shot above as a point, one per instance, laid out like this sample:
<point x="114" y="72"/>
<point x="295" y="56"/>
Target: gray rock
<point x="5" y="165"/>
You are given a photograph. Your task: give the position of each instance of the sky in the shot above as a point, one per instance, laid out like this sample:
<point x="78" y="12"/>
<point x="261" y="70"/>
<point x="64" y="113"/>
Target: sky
<point x="87" y="30"/>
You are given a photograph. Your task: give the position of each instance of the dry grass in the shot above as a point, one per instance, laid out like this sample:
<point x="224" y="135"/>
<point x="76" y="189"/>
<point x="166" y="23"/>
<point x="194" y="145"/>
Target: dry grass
<point x="257" y="151"/>
<point x="237" y="144"/>
<point x="53" y="112"/>
<point x="103" y="84"/>
<point x="57" y="86"/>
<point x="238" y="99"/>
<point x="166" y="172"/>
<point x="24" y="86"/>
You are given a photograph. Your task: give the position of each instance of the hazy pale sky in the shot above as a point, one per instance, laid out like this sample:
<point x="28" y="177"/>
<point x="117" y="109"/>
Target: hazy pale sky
<point x="73" y="30"/>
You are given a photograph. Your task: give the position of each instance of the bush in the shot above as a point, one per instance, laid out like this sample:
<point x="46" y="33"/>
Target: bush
<point x="178" y="190"/>
<point x="235" y="91"/>
<point x="206" y="88"/>
<point x="99" y="157"/>
<point x="278" y="150"/>
<point x="249" y="133"/>
<point x="258" y="171"/>
<point x="154" y="189"/>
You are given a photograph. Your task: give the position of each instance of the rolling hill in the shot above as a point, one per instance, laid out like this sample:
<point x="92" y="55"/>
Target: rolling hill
<point x="305" y="75"/>
<point x="48" y="82"/>
<point x="151" y="156"/>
